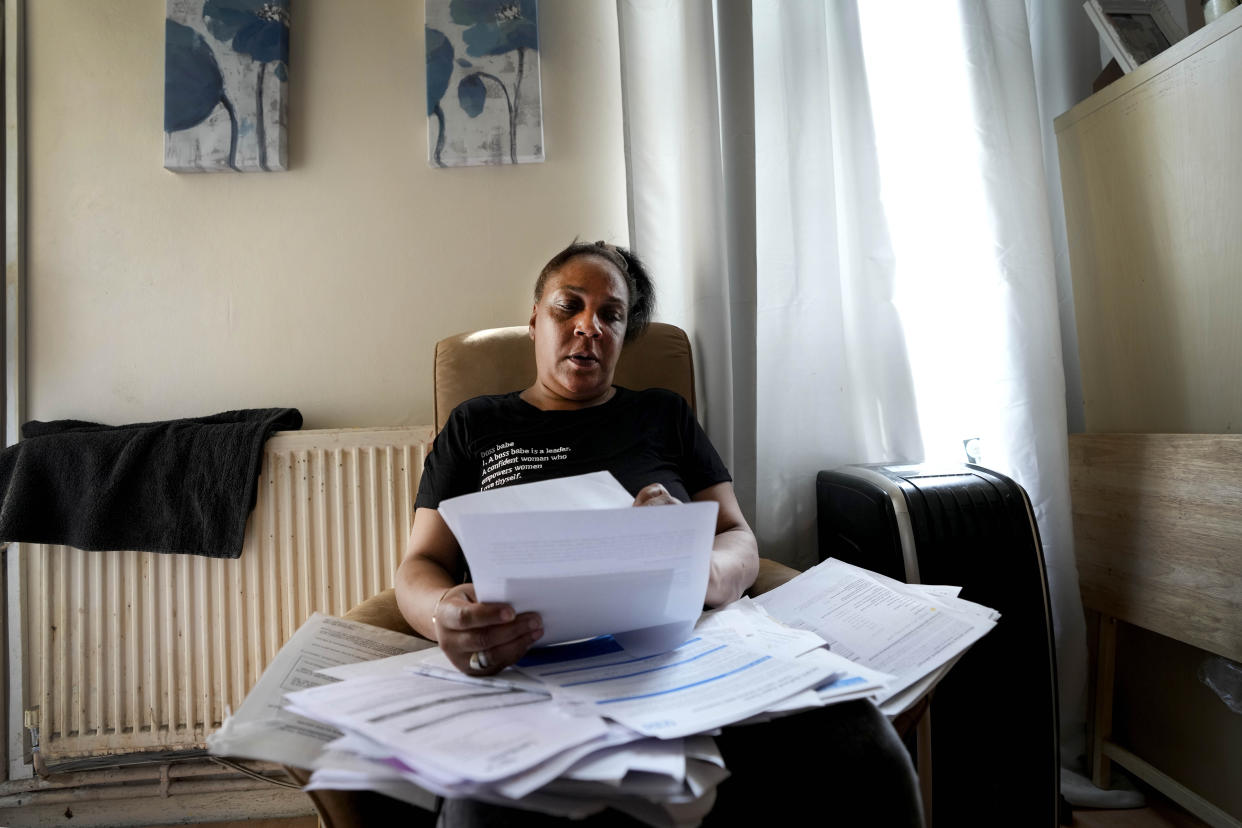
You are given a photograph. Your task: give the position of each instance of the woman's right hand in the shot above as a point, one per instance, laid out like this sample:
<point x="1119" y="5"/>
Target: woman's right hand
<point x="482" y="639"/>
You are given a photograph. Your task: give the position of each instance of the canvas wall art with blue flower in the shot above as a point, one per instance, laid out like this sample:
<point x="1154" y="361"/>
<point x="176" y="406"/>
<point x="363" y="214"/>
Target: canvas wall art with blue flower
<point x="483" y="99"/>
<point x="226" y="74"/>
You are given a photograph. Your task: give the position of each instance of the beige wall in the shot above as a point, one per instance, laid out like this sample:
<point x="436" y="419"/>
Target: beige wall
<point x="155" y="295"/>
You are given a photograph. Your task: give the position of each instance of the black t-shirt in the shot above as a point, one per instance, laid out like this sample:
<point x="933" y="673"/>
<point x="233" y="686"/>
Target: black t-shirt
<point x="642" y="437"/>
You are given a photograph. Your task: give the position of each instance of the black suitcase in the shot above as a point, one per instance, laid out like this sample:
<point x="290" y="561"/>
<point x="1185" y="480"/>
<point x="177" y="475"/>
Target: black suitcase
<point x="994" y="728"/>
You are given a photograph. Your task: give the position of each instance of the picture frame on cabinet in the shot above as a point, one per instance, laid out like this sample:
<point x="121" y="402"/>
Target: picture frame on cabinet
<point x="1135" y="31"/>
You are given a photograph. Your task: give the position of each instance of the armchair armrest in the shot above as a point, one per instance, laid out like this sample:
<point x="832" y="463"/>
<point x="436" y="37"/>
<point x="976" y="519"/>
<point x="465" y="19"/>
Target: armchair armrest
<point x="381" y="610"/>
<point x="771" y="575"/>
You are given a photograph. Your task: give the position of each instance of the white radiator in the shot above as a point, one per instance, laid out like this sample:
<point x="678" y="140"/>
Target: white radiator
<point x="135" y="652"/>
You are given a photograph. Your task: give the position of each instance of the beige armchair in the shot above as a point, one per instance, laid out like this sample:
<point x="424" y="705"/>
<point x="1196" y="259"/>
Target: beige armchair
<point x="499" y="360"/>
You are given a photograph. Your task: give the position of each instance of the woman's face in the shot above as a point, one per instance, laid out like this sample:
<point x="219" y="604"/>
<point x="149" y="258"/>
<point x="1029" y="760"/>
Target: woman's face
<point x="578" y="326"/>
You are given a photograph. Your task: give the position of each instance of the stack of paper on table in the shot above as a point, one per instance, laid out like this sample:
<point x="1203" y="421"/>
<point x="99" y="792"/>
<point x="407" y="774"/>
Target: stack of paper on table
<point x="610" y="728"/>
<point x="913" y="631"/>
<point x="582" y="726"/>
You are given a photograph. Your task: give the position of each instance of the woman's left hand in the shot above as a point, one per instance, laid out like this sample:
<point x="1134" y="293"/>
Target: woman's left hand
<point x="735" y="555"/>
<point x="655" y="495"/>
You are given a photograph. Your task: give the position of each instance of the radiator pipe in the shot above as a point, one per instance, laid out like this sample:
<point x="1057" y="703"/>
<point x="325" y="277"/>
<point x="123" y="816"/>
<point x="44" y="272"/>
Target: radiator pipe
<point x="151" y="789"/>
<point x="144" y="773"/>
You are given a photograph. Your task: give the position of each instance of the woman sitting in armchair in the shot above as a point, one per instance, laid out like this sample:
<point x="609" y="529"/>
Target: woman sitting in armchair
<point x="591" y="299"/>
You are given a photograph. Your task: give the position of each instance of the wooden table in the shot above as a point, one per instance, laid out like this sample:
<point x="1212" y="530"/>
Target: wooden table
<point x="1158" y="536"/>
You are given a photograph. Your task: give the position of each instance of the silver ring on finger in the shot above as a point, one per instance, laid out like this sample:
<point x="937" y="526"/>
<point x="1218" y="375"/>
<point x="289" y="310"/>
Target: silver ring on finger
<point x="478" y="661"/>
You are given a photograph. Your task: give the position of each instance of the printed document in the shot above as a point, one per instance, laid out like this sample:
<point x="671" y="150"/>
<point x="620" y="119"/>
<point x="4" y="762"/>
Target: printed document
<point x="703" y="684"/>
<point x="575" y="551"/>
<point x="902" y="632"/>
<point x="450" y="731"/>
<point x="261" y="729"/>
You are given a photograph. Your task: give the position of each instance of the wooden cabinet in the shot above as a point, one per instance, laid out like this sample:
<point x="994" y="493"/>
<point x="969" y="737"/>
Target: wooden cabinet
<point x="1151" y="169"/>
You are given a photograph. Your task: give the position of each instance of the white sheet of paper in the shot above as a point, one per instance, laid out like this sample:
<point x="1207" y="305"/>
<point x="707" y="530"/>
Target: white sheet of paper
<point x="746" y="623"/>
<point x="391" y="666"/>
<point x="660" y="756"/>
<point x="638" y="574"/>
<point x="701" y="685"/>
<point x="598" y="490"/>
<point x="341" y="771"/>
<point x="434" y="662"/>
<point x="354" y="762"/>
<point x="262" y="729"/>
<point x="450" y="730"/>
<point x="849" y="680"/>
<point x="703" y="777"/>
<point x="753" y="627"/>
<point x="940" y="593"/>
<point x="431" y="661"/>
<point x="532" y="779"/>
<point x="351" y="769"/>
<point x="894" y="704"/>
<point x="894" y="631"/>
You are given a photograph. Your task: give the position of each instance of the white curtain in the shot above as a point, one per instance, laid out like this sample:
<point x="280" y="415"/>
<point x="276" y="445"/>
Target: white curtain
<point x="833" y="382"/>
<point x="835" y="387"/>
<point x="684" y="211"/>
<point x="851" y="256"/>
<point x="967" y="198"/>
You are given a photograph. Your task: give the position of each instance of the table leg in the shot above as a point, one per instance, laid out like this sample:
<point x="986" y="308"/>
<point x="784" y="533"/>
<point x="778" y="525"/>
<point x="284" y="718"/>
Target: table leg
<point x="1105" y="666"/>
<point x="923" y="736"/>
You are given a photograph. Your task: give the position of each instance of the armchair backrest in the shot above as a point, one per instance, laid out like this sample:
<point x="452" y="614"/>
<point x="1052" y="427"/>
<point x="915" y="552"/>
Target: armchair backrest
<point x="499" y="360"/>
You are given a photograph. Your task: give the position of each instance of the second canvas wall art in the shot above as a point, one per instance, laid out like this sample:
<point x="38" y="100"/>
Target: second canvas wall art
<point x="484" y="104"/>
<point x="226" y="75"/>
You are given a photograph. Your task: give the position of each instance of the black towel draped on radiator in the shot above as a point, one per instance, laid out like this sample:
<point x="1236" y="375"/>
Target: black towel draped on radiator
<point x="175" y="486"/>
